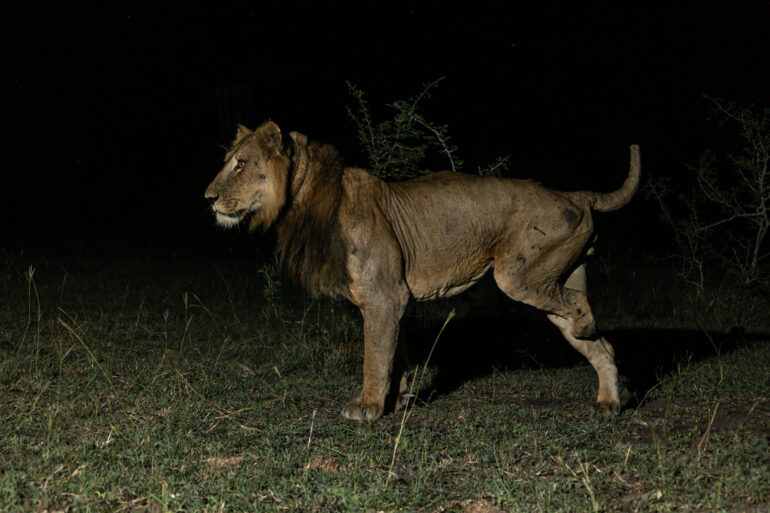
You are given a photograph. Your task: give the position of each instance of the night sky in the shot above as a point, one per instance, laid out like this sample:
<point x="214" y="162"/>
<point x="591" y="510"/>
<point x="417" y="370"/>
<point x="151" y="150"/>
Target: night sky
<point x="113" y="127"/>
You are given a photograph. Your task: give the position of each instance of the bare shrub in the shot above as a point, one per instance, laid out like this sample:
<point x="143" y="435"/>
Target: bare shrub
<point x="721" y="223"/>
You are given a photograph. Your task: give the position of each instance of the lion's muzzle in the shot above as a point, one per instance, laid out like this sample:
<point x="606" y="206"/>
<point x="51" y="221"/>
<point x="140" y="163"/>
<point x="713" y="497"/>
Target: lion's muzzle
<point x="211" y="197"/>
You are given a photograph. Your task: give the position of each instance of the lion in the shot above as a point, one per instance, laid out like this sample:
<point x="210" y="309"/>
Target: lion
<point x="343" y="232"/>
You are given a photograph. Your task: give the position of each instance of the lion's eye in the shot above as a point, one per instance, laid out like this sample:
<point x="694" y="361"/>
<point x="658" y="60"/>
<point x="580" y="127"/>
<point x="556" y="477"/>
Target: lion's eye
<point x="240" y="164"/>
<point x="262" y="176"/>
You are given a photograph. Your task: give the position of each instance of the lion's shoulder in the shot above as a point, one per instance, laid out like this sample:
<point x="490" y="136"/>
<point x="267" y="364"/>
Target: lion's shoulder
<point x="356" y="177"/>
<point x="361" y="188"/>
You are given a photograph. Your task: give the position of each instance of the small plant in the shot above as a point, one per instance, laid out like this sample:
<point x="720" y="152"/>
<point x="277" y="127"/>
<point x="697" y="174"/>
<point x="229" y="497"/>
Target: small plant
<point x="271" y="290"/>
<point x="496" y="168"/>
<point x="187" y="319"/>
<point x="32" y="286"/>
<point x="725" y="217"/>
<point x="397" y="148"/>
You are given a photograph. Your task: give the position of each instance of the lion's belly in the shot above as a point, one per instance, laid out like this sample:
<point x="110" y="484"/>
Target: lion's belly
<point x="434" y="281"/>
<point x="448" y="225"/>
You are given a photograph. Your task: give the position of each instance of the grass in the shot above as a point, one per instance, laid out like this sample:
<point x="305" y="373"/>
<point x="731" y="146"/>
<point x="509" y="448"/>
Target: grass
<point x="172" y="386"/>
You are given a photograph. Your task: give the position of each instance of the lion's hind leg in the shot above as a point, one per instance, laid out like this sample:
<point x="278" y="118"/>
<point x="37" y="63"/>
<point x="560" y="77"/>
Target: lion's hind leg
<point x="400" y="394"/>
<point x="601" y="355"/>
<point x="598" y="351"/>
<point x="567" y="307"/>
<point x="542" y="290"/>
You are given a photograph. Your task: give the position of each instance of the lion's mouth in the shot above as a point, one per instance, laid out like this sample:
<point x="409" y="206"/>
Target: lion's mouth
<point x="232" y="215"/>
<point x="229" y="218"/>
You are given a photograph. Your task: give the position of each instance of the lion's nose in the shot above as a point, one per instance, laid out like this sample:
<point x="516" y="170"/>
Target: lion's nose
<point x="212" y="197"/>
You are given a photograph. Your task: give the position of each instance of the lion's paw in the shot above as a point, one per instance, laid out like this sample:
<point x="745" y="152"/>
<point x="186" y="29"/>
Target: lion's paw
<point x="609" y="409"/>
<point x="356" y="410"/>
<point x="403" y="400"/>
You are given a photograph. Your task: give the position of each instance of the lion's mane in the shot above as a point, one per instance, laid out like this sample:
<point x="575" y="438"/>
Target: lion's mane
<point x="309" y="242"/>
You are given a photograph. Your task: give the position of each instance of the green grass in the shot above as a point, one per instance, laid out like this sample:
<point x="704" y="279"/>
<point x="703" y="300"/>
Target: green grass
<point x="169" y="386"/>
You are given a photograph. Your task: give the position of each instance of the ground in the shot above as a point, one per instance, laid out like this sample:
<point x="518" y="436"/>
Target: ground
<point x="171" y="384"/>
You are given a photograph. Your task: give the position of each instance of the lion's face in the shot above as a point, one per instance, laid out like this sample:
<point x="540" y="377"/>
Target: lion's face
<point x="253" y="179"/>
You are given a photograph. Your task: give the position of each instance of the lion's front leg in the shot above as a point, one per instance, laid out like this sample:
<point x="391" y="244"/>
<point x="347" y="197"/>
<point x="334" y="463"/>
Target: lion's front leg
<point x="381" y="324"/>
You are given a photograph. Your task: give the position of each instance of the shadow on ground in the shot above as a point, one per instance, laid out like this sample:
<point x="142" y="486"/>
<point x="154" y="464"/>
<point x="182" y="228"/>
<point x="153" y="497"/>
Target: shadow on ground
<point x="475" y="346"/>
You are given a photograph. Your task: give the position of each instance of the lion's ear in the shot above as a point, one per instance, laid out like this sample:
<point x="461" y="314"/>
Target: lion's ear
<point x="272" y="135"/>
<point x="299" y="138"/>
<point x="241" y="133"/>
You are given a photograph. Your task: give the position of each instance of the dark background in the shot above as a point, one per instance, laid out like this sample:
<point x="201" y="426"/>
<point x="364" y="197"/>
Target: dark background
<point x="113" y="126"/>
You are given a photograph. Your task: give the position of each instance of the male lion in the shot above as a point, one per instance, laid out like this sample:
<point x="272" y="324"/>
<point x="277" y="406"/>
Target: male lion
<point x="342" y="231"/>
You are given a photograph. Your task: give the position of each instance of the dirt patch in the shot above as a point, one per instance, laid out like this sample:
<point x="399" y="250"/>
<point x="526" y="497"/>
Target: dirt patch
<point x="471" y="506"/>
<point x="324" y="464"/>
<point x="231" y="462"/>
<point x="723" y="424"/>
<point x="659" y="406"/>
<point x="539" y="404"/>
<point x="749" y="508"/>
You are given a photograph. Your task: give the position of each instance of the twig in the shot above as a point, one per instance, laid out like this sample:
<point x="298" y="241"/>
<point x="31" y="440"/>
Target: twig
<point x="705" y="437"/>
<point x="312" y="421"/>
<point x="411" y="390"/>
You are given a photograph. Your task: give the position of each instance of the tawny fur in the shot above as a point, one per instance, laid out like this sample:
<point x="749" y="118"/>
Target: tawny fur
<point x="343" y="231"/>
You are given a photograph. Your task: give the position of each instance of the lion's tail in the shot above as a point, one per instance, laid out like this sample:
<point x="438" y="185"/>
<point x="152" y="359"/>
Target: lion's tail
<point x="605" y="202"/>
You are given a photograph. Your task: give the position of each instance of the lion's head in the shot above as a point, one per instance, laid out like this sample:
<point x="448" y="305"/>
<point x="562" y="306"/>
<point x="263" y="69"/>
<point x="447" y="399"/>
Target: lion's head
<point x="253" y="181"/>
<point x="293" y="187"/>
